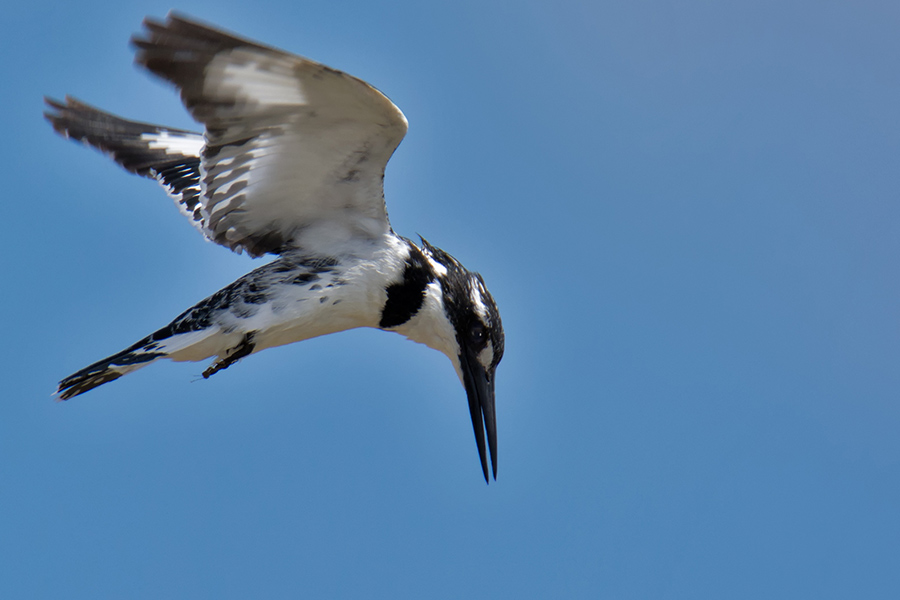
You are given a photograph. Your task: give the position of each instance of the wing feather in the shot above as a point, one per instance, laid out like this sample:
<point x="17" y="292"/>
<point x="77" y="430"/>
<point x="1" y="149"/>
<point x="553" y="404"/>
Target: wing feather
<point x="295" y="151"/>
<point x="171" y="156"/>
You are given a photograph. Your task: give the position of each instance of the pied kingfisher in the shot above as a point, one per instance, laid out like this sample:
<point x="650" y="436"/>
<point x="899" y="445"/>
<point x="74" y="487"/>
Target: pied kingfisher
<point x="291" y="163"/>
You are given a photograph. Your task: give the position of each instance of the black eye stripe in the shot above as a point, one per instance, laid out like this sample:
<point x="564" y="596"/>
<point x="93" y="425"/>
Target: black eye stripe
<point x="467" y="302"/>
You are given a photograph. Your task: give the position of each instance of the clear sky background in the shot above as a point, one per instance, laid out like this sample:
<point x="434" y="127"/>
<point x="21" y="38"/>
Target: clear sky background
<point x="688" y="214"/>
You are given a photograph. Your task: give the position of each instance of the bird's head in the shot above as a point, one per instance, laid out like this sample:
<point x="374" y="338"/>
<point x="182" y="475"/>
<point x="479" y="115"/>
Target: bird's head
<point x="459" y="317"/>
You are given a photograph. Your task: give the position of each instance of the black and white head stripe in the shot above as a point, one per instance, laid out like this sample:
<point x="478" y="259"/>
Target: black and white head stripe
<point x="469" y="305"/>
<point x="171" y="156"/>
<point x="294" y="148"/>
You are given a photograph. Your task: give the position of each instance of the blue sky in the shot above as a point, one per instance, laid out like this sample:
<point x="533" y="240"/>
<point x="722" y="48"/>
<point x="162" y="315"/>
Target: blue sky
<point x="688" y="214"/>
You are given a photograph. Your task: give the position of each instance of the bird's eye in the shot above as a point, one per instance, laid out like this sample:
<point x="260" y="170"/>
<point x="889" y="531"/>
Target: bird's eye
<point x="477" y="334"/>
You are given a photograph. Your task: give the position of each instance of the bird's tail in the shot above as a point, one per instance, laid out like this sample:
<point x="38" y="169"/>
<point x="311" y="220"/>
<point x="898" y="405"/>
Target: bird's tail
<point x="169" y="342"/>
<point x="112" y="367"/>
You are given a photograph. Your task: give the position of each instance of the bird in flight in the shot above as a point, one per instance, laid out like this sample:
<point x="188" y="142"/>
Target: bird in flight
<point x="290" y="163"/>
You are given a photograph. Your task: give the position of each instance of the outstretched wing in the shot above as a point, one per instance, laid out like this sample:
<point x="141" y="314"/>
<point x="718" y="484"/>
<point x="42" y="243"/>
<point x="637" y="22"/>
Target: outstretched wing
<point x="295" y="151"/>
<point x="171" y="156"/>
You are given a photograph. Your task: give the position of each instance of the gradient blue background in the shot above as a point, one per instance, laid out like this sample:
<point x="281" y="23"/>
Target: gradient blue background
<point x="688" y="213"/>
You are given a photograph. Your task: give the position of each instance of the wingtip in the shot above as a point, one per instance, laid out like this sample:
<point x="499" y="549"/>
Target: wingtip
<point x="69" y="103"/>
<point x="149" y="26"/>
<point x="51" y="105"/>
<point x="57" y="110"/>
<point x="53" y="114"/>
<point x="177" y="15"/>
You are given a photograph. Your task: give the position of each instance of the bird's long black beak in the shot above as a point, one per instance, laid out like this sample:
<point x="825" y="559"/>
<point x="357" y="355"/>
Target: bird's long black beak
<point x="480" y="390"/>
